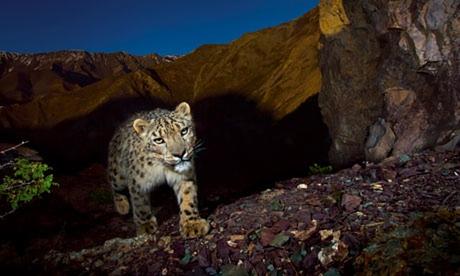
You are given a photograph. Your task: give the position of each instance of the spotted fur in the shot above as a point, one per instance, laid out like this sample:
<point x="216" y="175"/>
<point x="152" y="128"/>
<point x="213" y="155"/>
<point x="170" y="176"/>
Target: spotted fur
<point x="149" y="149"/>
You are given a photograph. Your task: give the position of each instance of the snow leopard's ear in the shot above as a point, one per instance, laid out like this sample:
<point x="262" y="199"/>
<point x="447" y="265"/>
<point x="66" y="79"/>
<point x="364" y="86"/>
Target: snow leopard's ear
<point x="140" y="125"/>
<point x="183" y="109"/>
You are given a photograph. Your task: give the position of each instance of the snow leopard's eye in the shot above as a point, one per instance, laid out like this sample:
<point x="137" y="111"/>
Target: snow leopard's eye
<point x="159" y="141"/>
<point x="184" y="131"/>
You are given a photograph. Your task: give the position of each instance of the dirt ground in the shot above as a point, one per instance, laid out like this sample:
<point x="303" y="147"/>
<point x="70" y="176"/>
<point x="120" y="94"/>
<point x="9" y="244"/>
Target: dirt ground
<point x="401" y="216"/>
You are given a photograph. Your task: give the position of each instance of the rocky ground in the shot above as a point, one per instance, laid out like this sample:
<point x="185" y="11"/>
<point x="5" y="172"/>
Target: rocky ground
<point x="399" y="217"/>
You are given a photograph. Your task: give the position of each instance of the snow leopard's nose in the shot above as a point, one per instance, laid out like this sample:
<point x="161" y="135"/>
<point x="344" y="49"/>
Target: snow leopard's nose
<point x="180" y="155"/>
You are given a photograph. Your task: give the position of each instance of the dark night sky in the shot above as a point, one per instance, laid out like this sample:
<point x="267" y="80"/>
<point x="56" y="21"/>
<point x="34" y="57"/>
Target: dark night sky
<point x="136" y="26"/>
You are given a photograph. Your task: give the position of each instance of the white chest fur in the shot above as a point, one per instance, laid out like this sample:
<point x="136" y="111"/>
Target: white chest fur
<point x="156" y="175"/>
<point x="151" y="177"/>
<point x="183" y="167"/>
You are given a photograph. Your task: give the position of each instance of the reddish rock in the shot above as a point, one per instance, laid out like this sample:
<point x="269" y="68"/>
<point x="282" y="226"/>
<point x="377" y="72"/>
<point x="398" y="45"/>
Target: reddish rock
<point x="356" y="168"/>
<point x="350" y="202"/>
<point x="389" y="173"/>
<point x="266" y="237"/>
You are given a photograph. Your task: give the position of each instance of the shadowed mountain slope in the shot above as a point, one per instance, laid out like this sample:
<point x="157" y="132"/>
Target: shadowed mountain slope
<point x="276" y="67"/>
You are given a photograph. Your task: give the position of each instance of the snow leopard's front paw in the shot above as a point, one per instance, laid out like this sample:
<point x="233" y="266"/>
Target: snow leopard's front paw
<point x="149" y="227"/>
<point x="193" y="228"/>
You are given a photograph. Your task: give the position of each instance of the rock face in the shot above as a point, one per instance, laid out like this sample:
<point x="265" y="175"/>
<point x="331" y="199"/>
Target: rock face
<point x="395" y="62"/>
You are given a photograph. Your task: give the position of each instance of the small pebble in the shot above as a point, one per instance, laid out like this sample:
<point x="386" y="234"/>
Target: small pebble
<point x="302" y="186"/>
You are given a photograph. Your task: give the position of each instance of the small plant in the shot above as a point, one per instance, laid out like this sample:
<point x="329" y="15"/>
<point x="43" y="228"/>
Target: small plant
<point x="27" y="181"/>
<point x="318" y="169"/>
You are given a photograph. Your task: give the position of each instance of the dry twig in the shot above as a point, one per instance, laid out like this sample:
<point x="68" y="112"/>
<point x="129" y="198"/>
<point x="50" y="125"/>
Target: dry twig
<point x="14" y="147"/>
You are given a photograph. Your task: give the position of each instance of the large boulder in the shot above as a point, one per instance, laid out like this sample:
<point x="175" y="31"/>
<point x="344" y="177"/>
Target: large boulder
<point x="391" y="76"/>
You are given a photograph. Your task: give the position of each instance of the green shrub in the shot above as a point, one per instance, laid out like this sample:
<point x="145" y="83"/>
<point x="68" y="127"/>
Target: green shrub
<point x="317" y="169"/>
<point x="27" y="181"/>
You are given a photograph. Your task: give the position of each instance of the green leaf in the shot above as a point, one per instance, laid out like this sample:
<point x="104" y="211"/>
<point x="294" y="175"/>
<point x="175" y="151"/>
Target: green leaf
<point x="317" y="169"/>
<point x="276" y="205"/>
<point x="254" y="235"/>
<point x="279" y="240"/>
<point x="297" y="257"/>
<point x="186" y="258"/>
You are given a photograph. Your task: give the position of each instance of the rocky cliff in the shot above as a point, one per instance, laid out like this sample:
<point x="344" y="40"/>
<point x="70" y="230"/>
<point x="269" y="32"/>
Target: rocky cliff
<point x="391" y="80"/>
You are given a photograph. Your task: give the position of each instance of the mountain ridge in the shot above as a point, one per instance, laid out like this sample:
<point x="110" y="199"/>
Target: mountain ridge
<point x="254" y="66"/>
